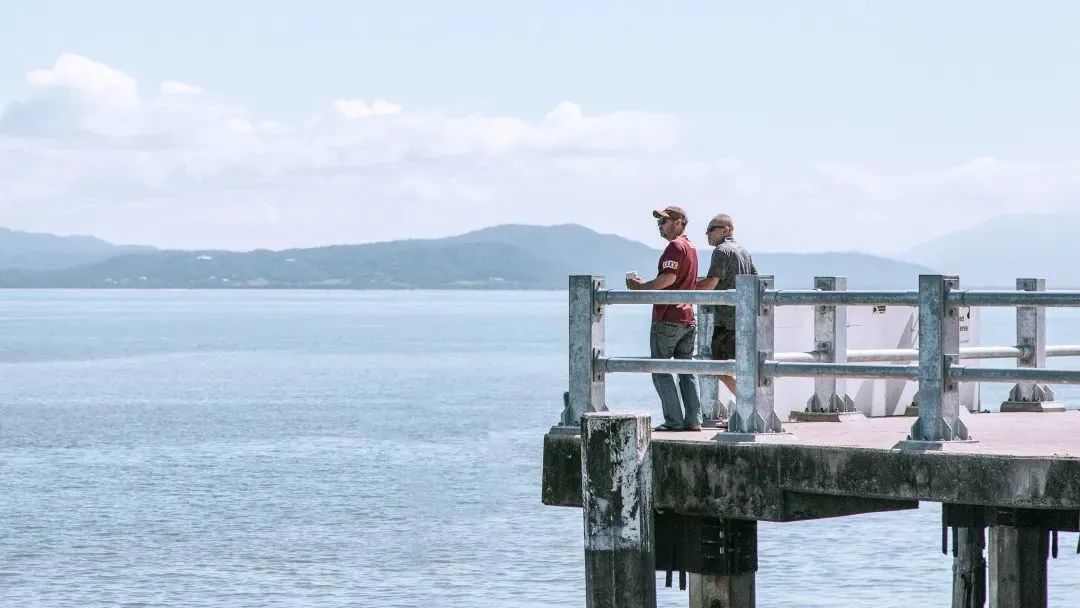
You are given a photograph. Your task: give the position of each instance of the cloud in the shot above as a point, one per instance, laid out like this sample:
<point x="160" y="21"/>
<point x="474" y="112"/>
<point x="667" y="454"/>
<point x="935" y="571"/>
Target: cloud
<point x="90" y="81"/>
<point x="83" y="151"/>
<point x="174" y="87"/>
<point x="75" y="96"/>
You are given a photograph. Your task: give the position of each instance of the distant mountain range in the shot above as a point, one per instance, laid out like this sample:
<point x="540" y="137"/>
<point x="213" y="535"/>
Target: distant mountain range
<point x="523" y="257"/>
<point x="996" y="252"/>
<point x="36" y="251"/>
<point x="504" y="257"/>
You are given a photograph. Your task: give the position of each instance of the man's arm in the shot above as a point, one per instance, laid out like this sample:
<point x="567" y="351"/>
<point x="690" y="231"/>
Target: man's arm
<point x="662" y="281"/>
<point x="717" y="267"/>
<point x="669" y="266"/>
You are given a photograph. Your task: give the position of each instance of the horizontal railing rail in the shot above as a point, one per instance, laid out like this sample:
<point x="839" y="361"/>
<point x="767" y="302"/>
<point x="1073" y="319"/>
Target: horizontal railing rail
<point x="614" y="365"/>
<point x="1053" y="299"/>
<point x="717" y="297"/>
<point x="900" y="355"/>
<point x="799" y="365"/>
<point x="1012" y="374"/>
<point x="814" y="297"/>
<point x="967" y="353"/>
<point x="775" y="369"/>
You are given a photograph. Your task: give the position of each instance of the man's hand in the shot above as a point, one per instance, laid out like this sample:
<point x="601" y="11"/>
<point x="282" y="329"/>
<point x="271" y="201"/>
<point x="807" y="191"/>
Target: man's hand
<point x="634" y="282"/>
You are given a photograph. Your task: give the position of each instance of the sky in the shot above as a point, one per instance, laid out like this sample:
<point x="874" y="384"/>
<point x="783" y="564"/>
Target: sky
<point x="820" y="126"/>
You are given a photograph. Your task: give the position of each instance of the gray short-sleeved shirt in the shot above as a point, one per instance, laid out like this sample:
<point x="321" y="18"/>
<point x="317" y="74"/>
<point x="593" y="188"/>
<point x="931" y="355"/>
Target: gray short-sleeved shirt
<point x="729" y="260"/>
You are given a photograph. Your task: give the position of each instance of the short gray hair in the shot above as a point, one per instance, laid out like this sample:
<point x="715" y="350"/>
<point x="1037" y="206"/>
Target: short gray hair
<point x="722" y="220"/>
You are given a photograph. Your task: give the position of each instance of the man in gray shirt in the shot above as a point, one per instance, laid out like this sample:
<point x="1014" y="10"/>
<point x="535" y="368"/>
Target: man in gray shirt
<point x="729" y="259"/>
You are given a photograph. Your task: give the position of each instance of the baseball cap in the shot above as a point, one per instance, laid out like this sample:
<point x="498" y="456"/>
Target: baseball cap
<point x="671" y="212"/>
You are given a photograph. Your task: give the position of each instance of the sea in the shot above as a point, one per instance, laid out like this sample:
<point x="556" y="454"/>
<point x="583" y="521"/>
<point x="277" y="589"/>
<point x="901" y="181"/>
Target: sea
<point x="354" y="448"/>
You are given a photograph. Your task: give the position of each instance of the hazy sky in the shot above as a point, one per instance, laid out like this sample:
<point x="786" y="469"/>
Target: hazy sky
<point x="819" y="125"/>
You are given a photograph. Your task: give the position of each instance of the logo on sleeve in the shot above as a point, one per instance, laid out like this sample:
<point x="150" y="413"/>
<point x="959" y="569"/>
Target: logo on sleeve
<point x="670" y="265"/>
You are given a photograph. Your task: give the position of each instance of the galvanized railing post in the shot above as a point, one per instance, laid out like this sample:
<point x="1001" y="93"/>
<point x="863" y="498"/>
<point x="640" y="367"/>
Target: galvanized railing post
<point x="586" y="392"/>
<point x="830" y="343"/>
<point x="754" y="412"/>
<point x="939" y="348"/>
<point x="713" y="410"/>
<point x="1031" y="336"/>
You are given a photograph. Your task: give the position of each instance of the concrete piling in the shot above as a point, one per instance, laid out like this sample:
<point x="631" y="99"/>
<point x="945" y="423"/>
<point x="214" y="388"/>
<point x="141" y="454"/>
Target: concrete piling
<point x="969" y="567"/>
<point x="1018" y="567"/>
<point x="617" y="497"/>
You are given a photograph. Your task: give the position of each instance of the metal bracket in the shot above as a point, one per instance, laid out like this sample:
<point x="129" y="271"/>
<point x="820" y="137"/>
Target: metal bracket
<point x="705" y="545"/>
<point x="836" y="404"/>
<point x="1042" y="400"/>
<point x="756" y="423"/>
<point x="977" y="516"/>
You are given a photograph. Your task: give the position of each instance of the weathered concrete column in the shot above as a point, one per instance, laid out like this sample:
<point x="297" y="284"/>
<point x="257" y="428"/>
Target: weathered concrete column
<point x="939" y="348"/>
<point x="617" y="496"/>
<point x="754" y="409"/>
<point x="1031" y="333"/>
<point x="587" y="388"/>
<point x="713" y="410"/>
<point x="714" y="591"/>
<point x="969" y="568"/>
<point x="1018" y="567"/>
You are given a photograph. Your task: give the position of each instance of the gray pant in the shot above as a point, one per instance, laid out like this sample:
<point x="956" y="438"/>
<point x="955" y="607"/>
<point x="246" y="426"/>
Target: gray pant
<point x="676" y="340"/>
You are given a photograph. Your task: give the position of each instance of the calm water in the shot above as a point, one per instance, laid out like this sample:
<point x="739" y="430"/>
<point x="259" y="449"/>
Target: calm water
<point x="348" y="449"/>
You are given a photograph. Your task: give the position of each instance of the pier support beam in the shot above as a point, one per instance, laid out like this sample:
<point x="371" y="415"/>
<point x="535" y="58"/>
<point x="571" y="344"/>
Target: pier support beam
<point x="969" y="568"/>
<point x="729" y="552"/>
<point x="714" y="591"/>
<point x="1018" y="567"/>
<point x="720" y="554"/>
<point x="967" y="523"/>
<point x="617" y="496"/>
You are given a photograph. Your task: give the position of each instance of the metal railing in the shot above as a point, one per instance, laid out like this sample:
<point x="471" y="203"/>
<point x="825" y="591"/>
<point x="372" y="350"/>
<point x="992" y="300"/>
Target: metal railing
<point x="938" y="369"/>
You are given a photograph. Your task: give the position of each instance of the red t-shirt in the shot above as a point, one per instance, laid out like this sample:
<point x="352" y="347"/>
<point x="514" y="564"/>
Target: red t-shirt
<point x="679" y="258"/>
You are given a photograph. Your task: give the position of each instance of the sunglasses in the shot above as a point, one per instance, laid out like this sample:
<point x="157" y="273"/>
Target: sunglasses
<point x="711" y="228"/>
<point x="662" y="221"/>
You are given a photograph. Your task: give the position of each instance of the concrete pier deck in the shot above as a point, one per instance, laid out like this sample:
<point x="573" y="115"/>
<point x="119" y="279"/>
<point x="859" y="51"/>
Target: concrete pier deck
<point x="829" y="469"/>
<point x="1037" y="435"/>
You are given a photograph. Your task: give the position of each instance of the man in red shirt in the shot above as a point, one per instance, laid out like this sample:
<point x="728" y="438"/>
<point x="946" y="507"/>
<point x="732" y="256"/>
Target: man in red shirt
<point x="673" y="327"/>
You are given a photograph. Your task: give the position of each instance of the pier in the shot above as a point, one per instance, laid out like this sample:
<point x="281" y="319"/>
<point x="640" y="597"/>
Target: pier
<point x="688" y="503"/>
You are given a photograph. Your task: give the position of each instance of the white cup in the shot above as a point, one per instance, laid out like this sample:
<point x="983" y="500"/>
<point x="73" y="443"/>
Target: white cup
<point x="631" y="275"/>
